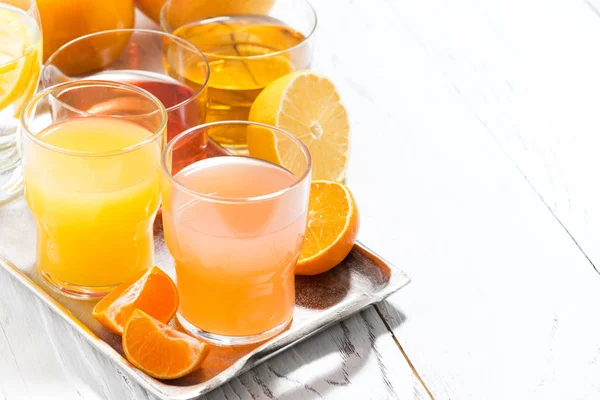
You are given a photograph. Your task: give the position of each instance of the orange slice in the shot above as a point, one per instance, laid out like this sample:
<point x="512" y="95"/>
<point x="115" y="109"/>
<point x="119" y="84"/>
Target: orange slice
<point x="152" y="291"/>
<point x="159" y="350"/>
<point x="331" y="230"/>
<point x="306" y="104"/>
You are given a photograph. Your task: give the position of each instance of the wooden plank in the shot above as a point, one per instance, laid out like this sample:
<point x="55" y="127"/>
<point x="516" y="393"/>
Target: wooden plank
<point x="502" y="303"/>
<point x="363" y="362"/>
<point x="527" y="70"/>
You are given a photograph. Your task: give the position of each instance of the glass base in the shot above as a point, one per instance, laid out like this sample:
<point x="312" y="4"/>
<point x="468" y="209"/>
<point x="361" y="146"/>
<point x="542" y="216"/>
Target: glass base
<point x="11" y="177"/>
<point x="222" y="340"/>
<point x="76" y="291"/>
<point x="11" y="184"/>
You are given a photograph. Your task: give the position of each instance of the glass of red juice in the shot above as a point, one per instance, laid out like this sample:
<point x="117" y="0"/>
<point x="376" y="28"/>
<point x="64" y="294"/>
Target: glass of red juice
<point x="170" y="68"/>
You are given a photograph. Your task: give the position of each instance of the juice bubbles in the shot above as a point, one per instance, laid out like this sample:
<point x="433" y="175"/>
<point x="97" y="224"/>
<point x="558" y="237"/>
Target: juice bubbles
<point x="64" y="20"/>
<point x="235" y="257"/>
<point x="94" y="192"/>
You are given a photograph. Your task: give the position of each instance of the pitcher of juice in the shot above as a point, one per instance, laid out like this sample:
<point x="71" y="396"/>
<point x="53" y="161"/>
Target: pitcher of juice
<point x="65" y="20"/>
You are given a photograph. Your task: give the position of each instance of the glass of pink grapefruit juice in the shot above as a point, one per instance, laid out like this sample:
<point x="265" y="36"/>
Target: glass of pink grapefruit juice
<point x="235" y="227"/>
<point x="91" y="162"/>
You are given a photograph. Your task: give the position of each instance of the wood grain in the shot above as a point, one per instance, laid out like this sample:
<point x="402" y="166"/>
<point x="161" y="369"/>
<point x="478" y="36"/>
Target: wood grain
<point x="526" y="73"/>
<point x="502" y="303"/>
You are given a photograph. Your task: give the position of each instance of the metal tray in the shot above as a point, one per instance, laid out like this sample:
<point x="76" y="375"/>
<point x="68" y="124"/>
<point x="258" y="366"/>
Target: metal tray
<point x="362" y="279"/>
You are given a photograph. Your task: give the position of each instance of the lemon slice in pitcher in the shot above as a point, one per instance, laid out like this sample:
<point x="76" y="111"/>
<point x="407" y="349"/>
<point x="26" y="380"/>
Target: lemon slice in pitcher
<point x="20" y="57"/>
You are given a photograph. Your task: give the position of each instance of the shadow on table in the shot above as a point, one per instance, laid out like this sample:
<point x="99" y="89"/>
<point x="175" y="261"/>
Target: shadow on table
<point x="354" y="339"/>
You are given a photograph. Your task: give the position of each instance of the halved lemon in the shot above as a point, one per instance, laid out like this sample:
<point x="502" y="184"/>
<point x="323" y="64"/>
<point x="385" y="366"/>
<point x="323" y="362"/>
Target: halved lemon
<point x="306" y="104"/>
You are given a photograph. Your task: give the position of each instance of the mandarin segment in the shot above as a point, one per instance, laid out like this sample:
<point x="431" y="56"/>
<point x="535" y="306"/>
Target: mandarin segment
<point x="331" y="229"/>
<point x="159" y="350"/>
<point x="152" y="291"/>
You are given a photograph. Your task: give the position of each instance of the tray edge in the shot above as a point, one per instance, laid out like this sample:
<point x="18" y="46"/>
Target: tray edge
<point x="398" y="280"/>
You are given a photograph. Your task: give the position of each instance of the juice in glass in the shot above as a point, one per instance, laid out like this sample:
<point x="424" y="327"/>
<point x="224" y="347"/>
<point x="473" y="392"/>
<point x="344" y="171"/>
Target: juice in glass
<point x="93" y="186"/>
<point x="246" y="52"/>
<point x="169" y="67"/>
<point x="235" y="228"/>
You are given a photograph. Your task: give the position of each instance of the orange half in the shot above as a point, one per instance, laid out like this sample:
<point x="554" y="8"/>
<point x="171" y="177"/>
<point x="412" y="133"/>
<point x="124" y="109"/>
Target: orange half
<point x="331" y="229"/>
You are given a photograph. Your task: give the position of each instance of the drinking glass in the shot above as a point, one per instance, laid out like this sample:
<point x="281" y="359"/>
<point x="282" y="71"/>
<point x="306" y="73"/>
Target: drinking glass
<point x="20" y="64"/>
<point x="91" y="162"/>
<point x="246" y="52"/>
<point x="235" y="227"/>
<point x="169" y="67"/>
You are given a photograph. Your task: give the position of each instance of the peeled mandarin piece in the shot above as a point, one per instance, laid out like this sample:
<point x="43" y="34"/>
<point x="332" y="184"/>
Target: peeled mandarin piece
<point x="306" y="104"/>
<point x="331" y="229"/>
<point x="159" y="350"/>
<point x="152" y="291"/>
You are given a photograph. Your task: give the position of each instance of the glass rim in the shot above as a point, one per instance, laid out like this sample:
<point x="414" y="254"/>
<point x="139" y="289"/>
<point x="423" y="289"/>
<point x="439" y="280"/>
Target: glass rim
<point x="179" y="40"/>
<point x="235" y="200"/>
<point x="166" y="28"/>
<point x="38" y="32"/>
<point x="93" y="83"/>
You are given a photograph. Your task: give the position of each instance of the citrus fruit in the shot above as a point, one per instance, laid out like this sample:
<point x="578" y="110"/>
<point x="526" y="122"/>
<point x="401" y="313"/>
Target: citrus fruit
<point x="20" y="58"/>
<point x="159" y="350"/>
<point x="307" y="105"/>
<point x="331" y="228"/>
<point x="152" y="291"/>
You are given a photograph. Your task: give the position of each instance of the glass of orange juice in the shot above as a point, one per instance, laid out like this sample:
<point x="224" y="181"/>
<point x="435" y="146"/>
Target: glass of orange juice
<point x="91" y="166"/>
<point x="235" y="227"/>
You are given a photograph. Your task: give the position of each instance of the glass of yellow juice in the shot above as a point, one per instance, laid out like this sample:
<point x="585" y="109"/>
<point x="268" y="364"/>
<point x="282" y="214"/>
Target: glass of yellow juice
<point x="246" y="52"/>
<point x="91" y="155"/>
<point x="235" y="227"/>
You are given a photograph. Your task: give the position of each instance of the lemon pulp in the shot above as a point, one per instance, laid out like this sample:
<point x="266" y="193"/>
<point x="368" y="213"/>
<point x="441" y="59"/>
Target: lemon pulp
<point x="20" y="58"/>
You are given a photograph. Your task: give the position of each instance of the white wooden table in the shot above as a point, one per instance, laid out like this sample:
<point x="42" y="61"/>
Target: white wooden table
<point x="476" y="168"/>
